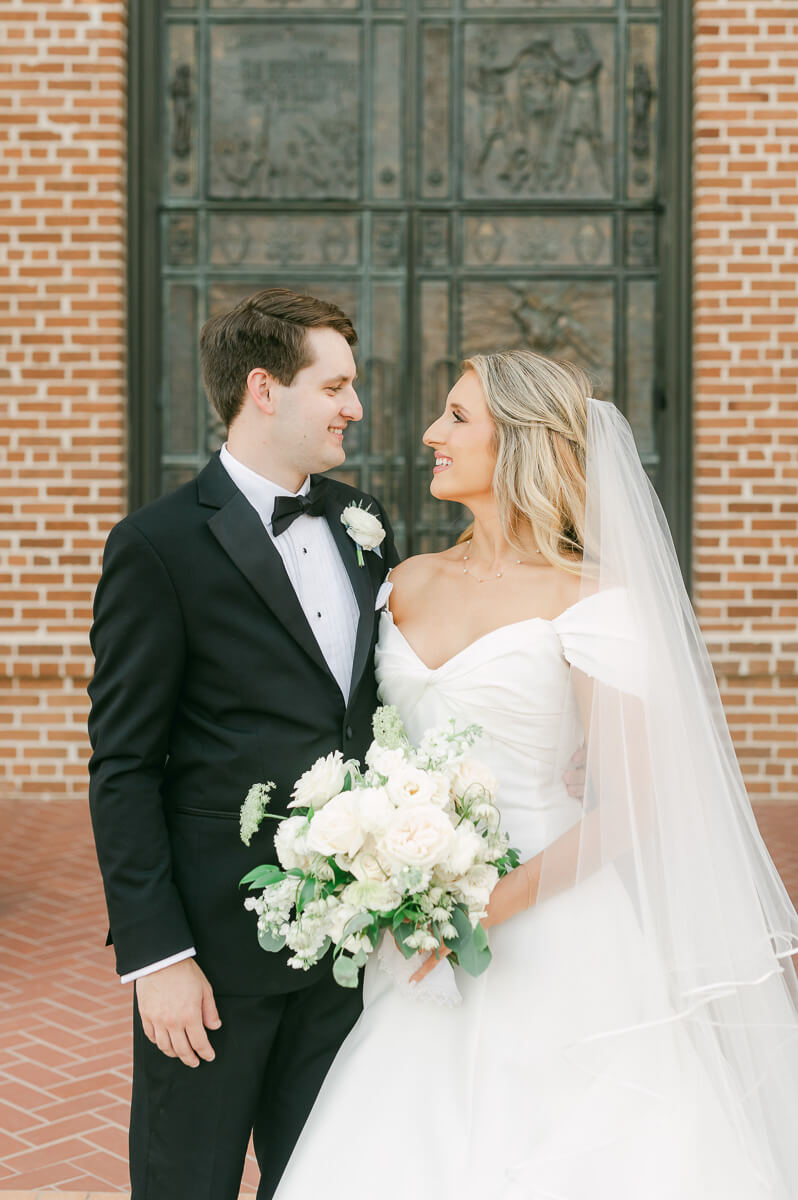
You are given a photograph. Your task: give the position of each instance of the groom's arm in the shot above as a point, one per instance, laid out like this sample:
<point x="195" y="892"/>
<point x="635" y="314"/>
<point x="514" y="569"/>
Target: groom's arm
<point x="138" y="640"/>
<point x="139" y="645"/>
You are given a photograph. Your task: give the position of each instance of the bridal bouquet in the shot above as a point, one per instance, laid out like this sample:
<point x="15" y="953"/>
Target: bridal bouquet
<point x="412" y="844"/>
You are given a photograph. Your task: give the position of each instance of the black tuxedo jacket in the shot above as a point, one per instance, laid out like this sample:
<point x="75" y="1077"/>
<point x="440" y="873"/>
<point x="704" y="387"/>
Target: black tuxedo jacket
<point x="208" y="679"/>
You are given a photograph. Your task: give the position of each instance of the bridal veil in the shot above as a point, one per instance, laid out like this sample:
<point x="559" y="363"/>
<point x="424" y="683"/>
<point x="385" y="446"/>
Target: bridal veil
<point x="665" y="813"/>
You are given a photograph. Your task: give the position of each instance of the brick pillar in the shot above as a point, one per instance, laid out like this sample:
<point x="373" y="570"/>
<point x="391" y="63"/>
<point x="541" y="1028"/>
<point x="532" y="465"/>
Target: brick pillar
<point x="746" y="367"/>
<point x="62" y="457"/>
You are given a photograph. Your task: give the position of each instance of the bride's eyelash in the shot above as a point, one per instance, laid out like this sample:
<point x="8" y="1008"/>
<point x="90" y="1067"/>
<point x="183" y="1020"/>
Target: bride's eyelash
<point x="456" y="415"/>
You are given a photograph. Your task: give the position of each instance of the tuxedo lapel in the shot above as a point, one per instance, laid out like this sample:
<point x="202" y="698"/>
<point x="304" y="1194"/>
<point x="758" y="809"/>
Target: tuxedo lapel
<point x="360" y="577"/>
<point x="239" y="531"/>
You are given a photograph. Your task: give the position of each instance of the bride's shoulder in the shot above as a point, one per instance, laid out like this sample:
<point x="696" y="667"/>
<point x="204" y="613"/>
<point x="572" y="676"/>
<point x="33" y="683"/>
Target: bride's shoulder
<point x="412" y="577"/>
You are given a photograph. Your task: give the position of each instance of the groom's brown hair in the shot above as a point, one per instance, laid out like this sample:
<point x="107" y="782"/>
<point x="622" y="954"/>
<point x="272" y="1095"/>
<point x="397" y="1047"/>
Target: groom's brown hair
<point x="266" y="330"/>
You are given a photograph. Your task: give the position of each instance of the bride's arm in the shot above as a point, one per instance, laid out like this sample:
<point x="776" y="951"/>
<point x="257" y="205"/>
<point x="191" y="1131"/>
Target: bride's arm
<point x="567" y="858"/>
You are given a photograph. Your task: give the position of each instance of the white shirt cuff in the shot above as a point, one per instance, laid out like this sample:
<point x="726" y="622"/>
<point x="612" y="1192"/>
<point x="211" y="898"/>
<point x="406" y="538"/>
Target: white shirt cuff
<point x="158" y="966"/>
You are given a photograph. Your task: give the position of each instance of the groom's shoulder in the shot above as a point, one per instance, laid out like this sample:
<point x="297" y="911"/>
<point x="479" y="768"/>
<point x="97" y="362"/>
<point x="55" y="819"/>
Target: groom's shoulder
<point x="164" y="519"/>
<point x="345" y="494"/>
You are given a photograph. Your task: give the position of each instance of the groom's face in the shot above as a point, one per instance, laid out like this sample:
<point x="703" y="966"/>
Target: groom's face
<point x="313" y="412"/>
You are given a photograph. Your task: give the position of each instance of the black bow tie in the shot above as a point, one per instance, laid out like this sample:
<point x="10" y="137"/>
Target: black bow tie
<point x="288" y="508"/>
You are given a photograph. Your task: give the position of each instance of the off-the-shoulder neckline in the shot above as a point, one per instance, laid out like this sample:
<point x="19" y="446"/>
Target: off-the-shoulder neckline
<point x="482" y="637"/>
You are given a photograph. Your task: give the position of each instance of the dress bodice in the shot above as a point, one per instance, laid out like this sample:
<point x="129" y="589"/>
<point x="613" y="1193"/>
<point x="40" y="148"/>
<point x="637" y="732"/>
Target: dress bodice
<point x="514" y="683"/>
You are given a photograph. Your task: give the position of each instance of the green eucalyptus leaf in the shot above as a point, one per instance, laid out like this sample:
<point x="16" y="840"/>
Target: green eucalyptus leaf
<point x="345" y="972"/>
<point x="402" y="934"/>
<point x="356" y="923"/>
<point x="270" y="941"/>
<point x="306" y="894"/>
<point x="471" y="946"/>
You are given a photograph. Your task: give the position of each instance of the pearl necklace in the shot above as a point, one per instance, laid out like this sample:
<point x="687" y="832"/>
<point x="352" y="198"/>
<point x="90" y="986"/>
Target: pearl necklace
<point x="487" y="579"/>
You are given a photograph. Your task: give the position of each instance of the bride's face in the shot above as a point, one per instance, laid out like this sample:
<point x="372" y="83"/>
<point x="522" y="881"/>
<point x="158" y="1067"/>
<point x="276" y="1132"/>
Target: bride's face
<point x="463" y="442"/>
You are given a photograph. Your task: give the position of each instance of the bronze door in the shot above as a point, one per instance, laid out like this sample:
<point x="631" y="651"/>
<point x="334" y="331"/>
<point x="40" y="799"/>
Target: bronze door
<point x="458" y="176"/>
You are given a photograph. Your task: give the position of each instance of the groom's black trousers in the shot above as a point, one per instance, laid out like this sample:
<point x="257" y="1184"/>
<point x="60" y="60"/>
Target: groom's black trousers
<point x="189" y="1127"/>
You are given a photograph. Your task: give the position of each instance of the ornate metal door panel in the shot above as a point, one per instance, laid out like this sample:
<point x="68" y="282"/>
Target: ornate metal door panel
<point x="459" y="175"/>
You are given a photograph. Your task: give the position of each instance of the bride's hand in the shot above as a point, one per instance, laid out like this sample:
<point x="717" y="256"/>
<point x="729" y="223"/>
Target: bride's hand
<point x="512" y="894"/>
<point x="429" y="964"/>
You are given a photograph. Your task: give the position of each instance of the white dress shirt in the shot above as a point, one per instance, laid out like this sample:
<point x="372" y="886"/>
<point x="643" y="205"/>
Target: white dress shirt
<point x="318" y="576"/>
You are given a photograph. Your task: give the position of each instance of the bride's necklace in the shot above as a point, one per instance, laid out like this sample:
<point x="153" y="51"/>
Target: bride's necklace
<point x="488" y="578"/>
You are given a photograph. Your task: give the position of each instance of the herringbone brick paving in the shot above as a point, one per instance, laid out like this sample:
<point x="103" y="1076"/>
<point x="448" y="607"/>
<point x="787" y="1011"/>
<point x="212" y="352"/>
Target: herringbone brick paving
<point x="65" y="1019"/>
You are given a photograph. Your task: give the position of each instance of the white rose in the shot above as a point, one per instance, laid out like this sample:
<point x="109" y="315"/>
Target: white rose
<point x="320" y="782"/>
<point x="473" y="781"/>
<point x="336" y="828"/>
<point x="419" y="836"/>
<point x="464" y="849"/>
<point x="385" y="761"/>
<point x="376" y="810"/>
<point x="291" y="843"/>
<point x="363" y="526"/>
<point x="411" y="786"/>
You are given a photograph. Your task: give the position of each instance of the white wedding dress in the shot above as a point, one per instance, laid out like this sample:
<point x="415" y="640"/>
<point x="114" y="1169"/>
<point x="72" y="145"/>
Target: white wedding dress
<point x="504" y="1096"/>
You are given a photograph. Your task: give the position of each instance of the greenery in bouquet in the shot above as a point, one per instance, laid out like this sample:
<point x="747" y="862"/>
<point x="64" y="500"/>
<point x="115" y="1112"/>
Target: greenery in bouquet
<point x="412" y="844"/>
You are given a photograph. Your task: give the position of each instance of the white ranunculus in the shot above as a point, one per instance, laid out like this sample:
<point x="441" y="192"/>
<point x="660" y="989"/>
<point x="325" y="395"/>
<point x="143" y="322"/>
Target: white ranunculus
<point x="291" y="844"/>
<point x="385" y="761"/>
<point x="419" y="836"/>
<point x="410" y="786"/>
<point x="376" y="895"/>
<point x="474" y="781"/>
<point x="363" y="526"/>
<point x="464" y="849"/>
<point x="366" y="863"/>
<point x="336" y="828"/>
<point x="320" y="782"/>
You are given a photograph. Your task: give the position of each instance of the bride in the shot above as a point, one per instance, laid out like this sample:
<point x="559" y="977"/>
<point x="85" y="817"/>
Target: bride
<point x="634" y="1037"/>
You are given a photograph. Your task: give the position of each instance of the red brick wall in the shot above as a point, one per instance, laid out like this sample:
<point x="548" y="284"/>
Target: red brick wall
<point x="62" y="461"/>
<point x="62" y="454"/>
<point x="746" y="370"/>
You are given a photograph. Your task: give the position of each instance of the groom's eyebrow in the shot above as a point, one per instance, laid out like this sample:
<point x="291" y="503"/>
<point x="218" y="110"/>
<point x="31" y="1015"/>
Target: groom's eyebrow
<point x="340" y="379"/>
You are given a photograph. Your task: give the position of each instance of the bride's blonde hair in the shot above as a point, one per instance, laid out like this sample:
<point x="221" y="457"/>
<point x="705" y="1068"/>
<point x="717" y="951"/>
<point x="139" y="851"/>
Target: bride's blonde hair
<point x="539" y="409"/>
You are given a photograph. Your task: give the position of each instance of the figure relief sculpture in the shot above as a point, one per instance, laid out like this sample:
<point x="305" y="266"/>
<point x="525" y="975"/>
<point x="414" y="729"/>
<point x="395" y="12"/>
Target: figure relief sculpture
<point x="642" y="99"/>
<point x="534" y="112"/>
<point x="182" y="110"/>
<point x="551" y="329"/>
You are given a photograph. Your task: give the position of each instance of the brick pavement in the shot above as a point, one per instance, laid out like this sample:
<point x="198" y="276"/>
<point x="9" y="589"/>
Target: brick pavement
<point x="64" y="1018"/>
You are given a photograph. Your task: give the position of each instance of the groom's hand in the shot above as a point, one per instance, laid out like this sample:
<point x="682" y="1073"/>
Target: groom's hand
<point x="574" y="776"/>
<point x="176" y="1005"/>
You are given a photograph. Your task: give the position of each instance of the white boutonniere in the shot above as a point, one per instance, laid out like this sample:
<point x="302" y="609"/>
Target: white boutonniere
<point x="363" y="527"/>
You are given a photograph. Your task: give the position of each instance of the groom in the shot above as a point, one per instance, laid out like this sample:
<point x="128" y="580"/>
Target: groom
<point x="234" y="636"/>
